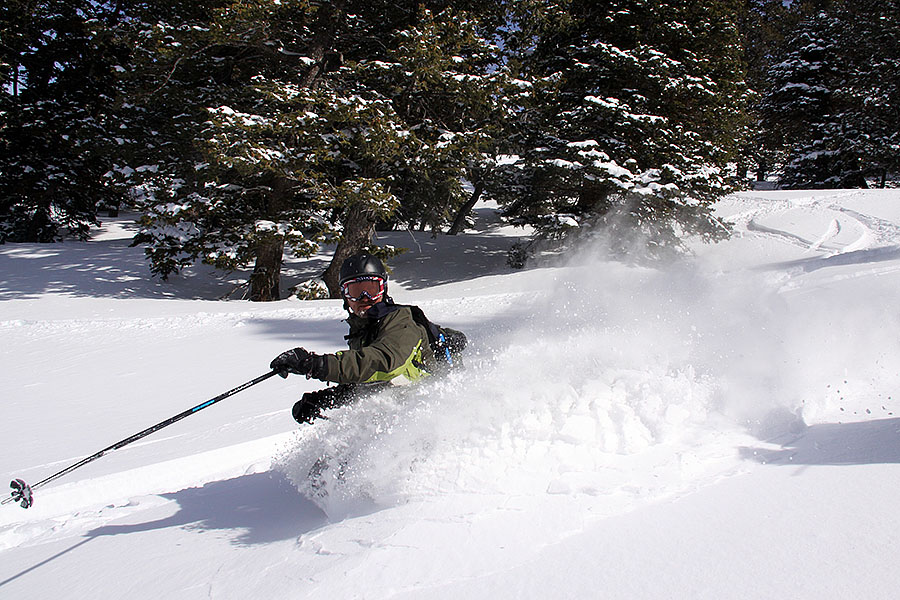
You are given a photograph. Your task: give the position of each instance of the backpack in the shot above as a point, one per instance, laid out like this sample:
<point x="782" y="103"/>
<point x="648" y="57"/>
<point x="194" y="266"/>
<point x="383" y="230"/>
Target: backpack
<point x="446" y="344"/>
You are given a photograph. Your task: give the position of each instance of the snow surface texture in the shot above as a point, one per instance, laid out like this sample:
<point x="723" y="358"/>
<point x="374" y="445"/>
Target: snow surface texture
<point x="722" y="426"/>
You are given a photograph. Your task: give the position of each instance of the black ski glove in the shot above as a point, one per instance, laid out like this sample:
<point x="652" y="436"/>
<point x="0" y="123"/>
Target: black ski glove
<point x="301" y="362"/>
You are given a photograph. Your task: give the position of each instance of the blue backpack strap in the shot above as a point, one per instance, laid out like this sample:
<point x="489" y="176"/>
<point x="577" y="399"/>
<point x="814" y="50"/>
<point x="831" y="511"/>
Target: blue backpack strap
<point x="436" y="338"/>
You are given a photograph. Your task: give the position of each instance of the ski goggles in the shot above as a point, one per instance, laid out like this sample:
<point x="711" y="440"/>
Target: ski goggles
<point x="371" y="287"/>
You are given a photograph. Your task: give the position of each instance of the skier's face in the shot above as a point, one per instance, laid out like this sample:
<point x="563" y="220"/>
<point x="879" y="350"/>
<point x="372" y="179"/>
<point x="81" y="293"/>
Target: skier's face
<point x="363" y="293"/>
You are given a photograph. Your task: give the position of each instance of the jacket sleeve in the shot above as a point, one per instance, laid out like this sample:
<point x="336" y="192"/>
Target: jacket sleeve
<point x="397" y="350"/>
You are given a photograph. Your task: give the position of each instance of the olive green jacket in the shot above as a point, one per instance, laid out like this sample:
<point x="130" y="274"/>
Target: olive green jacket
<point x="383" y="347"/>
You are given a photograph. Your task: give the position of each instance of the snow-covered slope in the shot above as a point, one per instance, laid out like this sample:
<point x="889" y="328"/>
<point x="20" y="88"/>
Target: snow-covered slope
<point x="719" y="427"/>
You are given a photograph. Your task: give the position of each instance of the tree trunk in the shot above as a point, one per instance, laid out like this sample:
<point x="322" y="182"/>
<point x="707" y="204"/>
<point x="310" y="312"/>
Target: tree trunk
<point x="327" y="21"/>
<point x="460" y="221"/>
<point x="359" y="228"/>
<point x="265" y="282"/>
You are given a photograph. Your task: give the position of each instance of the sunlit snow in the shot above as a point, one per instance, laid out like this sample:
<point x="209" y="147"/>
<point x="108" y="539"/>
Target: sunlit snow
<point x="720" y="426"/>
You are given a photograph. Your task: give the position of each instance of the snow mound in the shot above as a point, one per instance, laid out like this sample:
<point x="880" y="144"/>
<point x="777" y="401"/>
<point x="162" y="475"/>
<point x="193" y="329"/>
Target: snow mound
<point x="598" y="373"/>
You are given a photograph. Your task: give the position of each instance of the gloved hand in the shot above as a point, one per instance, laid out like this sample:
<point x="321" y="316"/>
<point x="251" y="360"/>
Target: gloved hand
<point x="301" y="362"/>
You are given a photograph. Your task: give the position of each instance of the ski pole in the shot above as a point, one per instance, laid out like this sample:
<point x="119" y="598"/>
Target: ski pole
<point x="22" y="492"/>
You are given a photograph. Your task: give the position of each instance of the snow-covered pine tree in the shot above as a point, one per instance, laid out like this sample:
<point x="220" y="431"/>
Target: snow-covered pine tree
<point x="307" y="139"/>
<point x="58" y="125"/>
<point x="763" y="27"/>
<point x="631" y="116"/>
<point x="800" y="109"/>
<point x="871" y="45"/>
<point x="176" y="71"/>
<point x="831" y="107"/>
<point x="444" y="77"/>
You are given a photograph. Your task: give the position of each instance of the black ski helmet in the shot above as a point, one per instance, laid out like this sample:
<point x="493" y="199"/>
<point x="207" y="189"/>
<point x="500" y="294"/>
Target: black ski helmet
<point x="362" y="264"/>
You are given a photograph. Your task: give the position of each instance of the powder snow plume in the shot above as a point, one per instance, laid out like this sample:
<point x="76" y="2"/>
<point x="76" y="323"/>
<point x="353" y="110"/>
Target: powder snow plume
<point x="609" y="368"/>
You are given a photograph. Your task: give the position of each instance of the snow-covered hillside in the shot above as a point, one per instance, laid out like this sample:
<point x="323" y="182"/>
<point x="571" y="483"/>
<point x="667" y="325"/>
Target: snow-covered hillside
<point x="724" y="426"/>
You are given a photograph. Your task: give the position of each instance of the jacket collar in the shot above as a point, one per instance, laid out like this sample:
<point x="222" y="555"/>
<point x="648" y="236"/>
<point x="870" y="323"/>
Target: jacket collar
<point x="377" y="312"/>
<point x="382" y="309"/>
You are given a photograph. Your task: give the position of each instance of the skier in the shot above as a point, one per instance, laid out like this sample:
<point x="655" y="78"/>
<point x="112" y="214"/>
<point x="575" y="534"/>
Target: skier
<point x="388" y="343"/>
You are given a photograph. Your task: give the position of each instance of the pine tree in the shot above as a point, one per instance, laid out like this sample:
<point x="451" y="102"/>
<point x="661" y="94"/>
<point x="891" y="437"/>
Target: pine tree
<point x="632" y="109"/>
<point x="871" y="45"/>
<point x="58" y="127"/>
<point x="800" y="112"/>
<point x="763" y="27"/>
<point x="312" y="133"/>
<point x="445" y="80"/>
<point x="831" y="107"/>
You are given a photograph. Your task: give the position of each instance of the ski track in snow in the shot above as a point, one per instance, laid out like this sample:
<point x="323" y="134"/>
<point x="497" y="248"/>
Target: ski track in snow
<point x="862" y="231"/>
<point x="593" y="393"/>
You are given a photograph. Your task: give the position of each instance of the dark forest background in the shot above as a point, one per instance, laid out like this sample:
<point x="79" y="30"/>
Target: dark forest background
<point x="242" y="130"/>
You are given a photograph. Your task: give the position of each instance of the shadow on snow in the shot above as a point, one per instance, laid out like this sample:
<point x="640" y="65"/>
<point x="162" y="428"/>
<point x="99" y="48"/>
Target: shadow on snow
<point x="97" y="269"/>
<point x="855" y="257"/>
<point x="259" y="508"/>
<point x="113" y="269"/>
<point x="858" y="443"/>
